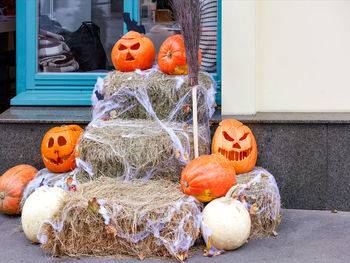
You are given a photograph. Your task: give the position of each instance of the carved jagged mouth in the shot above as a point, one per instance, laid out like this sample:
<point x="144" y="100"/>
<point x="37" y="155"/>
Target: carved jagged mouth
<point x="59" y="160"/>
<point x="235" y="155"/>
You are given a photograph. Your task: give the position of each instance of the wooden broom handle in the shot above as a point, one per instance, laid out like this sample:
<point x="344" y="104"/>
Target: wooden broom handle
<point x="195" y="121"/>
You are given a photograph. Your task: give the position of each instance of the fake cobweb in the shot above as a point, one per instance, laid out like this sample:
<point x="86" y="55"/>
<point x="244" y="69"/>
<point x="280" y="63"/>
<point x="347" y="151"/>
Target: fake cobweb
<point x="44" y="177"/>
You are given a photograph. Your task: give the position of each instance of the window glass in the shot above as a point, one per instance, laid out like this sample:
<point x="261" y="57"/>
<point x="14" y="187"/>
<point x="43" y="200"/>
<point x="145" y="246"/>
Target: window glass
<point x="209" y="34"/>
<point x="157" y="16"/>
<point x="78" y="36"/>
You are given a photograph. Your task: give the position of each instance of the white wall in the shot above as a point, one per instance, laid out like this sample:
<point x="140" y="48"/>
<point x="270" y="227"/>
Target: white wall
<point x="301" y="56"/>
<point x="238" y="56"/>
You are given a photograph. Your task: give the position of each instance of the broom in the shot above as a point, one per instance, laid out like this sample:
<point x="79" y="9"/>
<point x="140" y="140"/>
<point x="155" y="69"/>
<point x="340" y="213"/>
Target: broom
<point x="188" y="16"/>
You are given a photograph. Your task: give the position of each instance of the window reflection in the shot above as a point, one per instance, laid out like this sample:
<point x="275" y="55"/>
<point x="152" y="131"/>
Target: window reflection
<point x="158" y="18"/>
<point x="78" y="36"/>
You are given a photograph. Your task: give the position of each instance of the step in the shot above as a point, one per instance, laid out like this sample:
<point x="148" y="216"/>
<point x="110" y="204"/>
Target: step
<point x="308" y="153"/>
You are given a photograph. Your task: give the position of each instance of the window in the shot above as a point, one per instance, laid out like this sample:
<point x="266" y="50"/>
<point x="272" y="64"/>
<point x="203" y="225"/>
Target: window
<point x="57" y="64"/>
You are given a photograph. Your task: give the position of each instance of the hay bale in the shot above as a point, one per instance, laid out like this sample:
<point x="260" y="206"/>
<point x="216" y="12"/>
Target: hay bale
<point x="137" y="149"/>
<point x="109" y="217"/>
<point x="133" y="95"/>
<point x="259" y="193"/>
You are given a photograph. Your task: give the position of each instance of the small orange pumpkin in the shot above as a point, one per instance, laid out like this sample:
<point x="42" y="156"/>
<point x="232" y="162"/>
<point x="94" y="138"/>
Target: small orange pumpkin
<point x="208" y="177"/>
<point x="58" y="148"/>
<point x="12" y="184"/>
<point x="237" y="143"/>
<point x="172" y="56"/>
<point x="133" y="51"/>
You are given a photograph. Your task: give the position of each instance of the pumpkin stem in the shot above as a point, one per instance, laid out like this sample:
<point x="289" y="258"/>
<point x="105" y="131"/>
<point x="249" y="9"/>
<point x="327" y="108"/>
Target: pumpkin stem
<point x="169" y="54"/>
<point x="186" y="184"/>
<point x="2" y="195"/>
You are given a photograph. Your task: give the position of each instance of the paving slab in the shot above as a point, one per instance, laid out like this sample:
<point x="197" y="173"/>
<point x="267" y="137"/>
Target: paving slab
<point x="304" y="236"/>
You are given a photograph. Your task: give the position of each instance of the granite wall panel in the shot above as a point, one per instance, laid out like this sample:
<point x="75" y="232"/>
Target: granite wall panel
<point x="296" y="154"/>
<point x="338" y="144"/>
<point x="20" y="144"/>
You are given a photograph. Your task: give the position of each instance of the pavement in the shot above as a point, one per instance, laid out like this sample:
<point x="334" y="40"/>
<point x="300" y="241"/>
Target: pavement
<point x="304" y="236"/>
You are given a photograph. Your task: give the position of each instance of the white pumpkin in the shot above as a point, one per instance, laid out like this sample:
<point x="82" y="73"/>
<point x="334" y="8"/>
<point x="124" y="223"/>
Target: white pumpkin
<point x="226" y="223"/>
<point x="40" y="206"/>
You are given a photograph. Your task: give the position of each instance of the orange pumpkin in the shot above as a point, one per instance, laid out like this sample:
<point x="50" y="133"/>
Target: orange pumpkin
<point x="237" y="143"/>
<point x="208" y="177"/>
<point x="172" y="56"/>
<point x="133" y="51"/>
<point x="58" y="148"/>
<point x="12" y="184"/>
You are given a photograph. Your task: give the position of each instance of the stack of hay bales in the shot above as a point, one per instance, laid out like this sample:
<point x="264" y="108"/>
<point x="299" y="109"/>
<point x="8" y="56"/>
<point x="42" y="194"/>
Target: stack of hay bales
<point x="141" y="129"/>
<point x="142" y="125"/>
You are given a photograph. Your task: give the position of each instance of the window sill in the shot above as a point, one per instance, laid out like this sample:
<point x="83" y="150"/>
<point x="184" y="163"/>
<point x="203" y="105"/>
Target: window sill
<point x="82" y="115"/>
<point x="68" y="115"/>
<point x="53" y="98"/>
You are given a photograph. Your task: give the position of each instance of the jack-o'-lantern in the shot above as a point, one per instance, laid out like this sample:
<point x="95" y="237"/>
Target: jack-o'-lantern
<point x="58" y="148"/>
<point x="237" y="143"/>
<point x="133" y="51"/>
<point x="172" y="56"/>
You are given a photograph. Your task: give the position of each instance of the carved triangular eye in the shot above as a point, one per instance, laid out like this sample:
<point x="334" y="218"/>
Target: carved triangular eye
<point x="122" y="47"/>
<point x="135" y="46"/>
<point x="244" y="137"/>
<point x="227" y="137"/>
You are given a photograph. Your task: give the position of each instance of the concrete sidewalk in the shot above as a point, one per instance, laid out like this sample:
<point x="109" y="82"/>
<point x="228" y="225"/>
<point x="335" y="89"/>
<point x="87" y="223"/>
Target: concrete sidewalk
<point x="304" y="236"/>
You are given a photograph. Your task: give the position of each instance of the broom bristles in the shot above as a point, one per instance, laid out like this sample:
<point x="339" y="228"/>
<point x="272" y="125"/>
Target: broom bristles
<point x="188" y="15"/>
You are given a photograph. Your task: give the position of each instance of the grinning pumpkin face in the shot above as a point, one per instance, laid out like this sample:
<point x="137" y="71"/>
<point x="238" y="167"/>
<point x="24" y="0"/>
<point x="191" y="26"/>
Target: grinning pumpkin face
<point x="58" y="148"/>
<point x="236" y="142"/>
<point x="133" y="51"/>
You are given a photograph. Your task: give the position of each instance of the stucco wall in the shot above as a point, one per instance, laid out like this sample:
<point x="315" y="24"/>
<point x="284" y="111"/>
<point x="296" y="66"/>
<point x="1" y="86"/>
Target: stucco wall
<point x="290" y="55"/>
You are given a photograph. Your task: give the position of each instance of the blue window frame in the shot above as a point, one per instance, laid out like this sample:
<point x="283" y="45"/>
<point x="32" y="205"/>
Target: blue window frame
<point x="62" y="89"/>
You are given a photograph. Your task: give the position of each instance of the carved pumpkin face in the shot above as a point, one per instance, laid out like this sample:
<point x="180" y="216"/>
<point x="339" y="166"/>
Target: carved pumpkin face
<point x="237" y="143"/>
<point x="58" y="148"/>
<point x="133" y="51"/>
